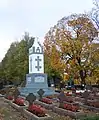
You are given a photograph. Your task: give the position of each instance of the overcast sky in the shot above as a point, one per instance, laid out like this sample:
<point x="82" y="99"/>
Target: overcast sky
<point x="33" y="16"/>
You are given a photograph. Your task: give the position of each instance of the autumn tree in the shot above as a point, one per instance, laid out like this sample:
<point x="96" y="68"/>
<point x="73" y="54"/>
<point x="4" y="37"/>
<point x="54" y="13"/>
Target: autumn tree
<point x="69" y="46"/>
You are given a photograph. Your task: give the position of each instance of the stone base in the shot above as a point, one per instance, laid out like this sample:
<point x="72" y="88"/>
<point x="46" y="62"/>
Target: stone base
<point x="25" y="91"/>
<point x="34" y="82"/>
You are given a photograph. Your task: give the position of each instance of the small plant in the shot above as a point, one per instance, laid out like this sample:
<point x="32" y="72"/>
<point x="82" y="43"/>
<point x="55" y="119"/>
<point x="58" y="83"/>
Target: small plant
<point x="9" y="97"/>
<point x="68" y="94"/>
<point x="71" y="107"/>
<point x="46" y="100"/>
<point x="37" y="110"/>
<point x="78" y="93"/>
<point x="49" y="97"/>
<point x="19" y="101"/>
<point x="69" y="99"/>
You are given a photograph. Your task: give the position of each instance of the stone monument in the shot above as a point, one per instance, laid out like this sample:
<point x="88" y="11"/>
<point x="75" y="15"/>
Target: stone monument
<point x="36" y="79"/>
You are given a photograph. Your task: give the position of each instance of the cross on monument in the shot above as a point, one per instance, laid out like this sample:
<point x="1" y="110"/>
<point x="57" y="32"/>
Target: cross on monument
<point x="38" y="64"/>
<point x="31" y="64"/>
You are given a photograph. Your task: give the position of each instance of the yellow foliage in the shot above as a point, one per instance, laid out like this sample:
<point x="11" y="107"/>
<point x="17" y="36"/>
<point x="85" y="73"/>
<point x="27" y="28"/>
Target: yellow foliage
<point x="76" y="43"/>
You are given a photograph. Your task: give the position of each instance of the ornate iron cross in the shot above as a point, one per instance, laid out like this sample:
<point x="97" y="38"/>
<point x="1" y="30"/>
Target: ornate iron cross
<point x="38" y="63"/>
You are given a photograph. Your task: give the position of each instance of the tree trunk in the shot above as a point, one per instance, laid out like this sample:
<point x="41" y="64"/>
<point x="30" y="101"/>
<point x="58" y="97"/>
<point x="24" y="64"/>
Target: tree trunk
<point x="82" y="76"/>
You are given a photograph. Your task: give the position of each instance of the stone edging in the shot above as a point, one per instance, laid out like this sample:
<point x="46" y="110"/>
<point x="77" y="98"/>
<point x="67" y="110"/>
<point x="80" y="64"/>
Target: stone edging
<point x="90" y="107"/>
<point x="6" y="100"/>
<point x="26" y="113"/>
<point x="31" y="116"/>
<point x="17" y="107"/>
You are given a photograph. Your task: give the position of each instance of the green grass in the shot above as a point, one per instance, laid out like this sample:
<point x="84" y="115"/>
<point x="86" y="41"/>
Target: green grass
<point x="91" y="118"/>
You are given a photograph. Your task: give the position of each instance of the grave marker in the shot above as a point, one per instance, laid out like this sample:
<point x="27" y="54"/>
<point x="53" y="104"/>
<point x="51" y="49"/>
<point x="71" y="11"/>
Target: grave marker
<point x="61" y="98"/>
<point x="95" y="90"/>
<point x="31" y="98"/>
<point x="89" y="87"/>
<point x="40" y="93"/>
<point x="85" y="96"/>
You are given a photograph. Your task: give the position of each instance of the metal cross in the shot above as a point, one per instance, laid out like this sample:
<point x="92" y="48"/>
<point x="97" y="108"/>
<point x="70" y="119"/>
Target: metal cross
<point x="38" y="64"/>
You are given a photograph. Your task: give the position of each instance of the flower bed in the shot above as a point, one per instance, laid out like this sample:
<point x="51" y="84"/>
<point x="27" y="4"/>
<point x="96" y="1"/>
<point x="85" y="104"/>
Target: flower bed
<point x="37" y="110"/>
<point x="90" y="107"/>
<point x="8" y="99"/>
<point x="71" y="107"/>
<point x="68" y="94"/>
<point x="69" y="99"/>
<point x="94" y="103"/>
<point x="31" y="116"/>
<point x="19" y="101"/>
<point x="78" y="93"/>
<point x="66" y="112"/>
<point x="49" y="97"/>
<point x="46" y="100"/>
<point x="46" y="106"/>
<point x="18" y="104"/>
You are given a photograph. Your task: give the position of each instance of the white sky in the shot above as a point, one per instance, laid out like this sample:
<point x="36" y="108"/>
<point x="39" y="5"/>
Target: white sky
<point x="33" y="16"/>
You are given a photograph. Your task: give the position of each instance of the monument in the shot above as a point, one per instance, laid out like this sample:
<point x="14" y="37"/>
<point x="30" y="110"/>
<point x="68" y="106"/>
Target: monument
<point x="36" y="79"/>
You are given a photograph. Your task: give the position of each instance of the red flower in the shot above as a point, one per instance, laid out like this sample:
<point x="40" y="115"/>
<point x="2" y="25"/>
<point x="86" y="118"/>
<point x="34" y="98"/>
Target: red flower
<point x="49" y="97"/>
<point x="46" y="100"/>
<point x="19" y="101"/>
<point x="75" y="108"/>
<point x="71" y="107"/>
<point x="37" y="110"/>
<point x="10" y="97"/>
<point x="65" y="106"/>
<point x="68" y="94"/>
